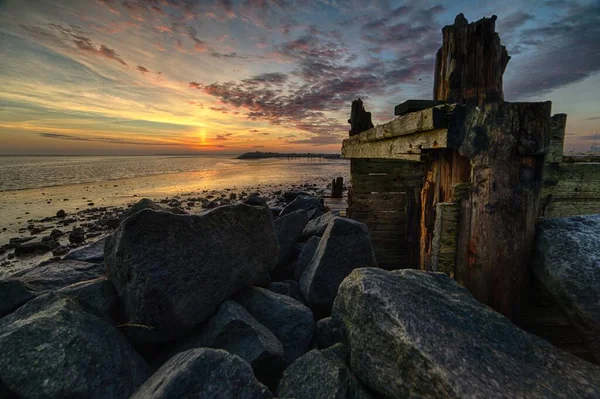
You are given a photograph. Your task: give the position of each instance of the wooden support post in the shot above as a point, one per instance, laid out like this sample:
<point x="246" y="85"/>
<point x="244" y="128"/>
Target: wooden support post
<point x="337" y="187"/>
<point x="360" y="120"/>
<point x="443" y="247"/>
<point x="470" y="64"/>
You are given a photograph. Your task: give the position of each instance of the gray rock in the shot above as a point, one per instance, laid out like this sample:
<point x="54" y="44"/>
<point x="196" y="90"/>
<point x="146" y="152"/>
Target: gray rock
<point x="289" y="288"/>
<point x="203" y="373"/>
<point x="317" y="226"/>
<point x="96" y="296"/>
<point x="55" y="275"/>
<point x="77" y="235"/>
<point x="236" y="331"/>
<point x="93" y="253"/>
<point x="144" y="203"/>
<point x="52" y="348"/>
<point x="345" y="246"/>
<point x="420" y="334"/>
<point x="38" y="247"/>
<point x="328" y="333"/>
<point x="290" y="321"/>
<point x="305" y="257"/>
<point x="13" y="294"/>
<point x="567" y="263"/>
<point x="321" y="375"/>
<point x="288" y="229"/>
<point x="315" y="213"/>
<point x="306" y="202"/>
<point x="173" y="271"/>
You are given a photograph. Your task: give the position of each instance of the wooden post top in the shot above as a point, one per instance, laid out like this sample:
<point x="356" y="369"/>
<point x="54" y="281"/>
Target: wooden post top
<point x="470" y="64"/>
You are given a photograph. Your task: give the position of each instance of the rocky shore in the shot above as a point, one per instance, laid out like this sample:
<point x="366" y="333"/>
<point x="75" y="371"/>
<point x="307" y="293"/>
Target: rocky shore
<point x="256" y="300"/>
<point x="56" y="235"/>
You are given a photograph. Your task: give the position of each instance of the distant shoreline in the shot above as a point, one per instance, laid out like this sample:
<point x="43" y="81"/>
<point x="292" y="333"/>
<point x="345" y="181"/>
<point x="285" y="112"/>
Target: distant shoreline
<point x="263" y="155"/>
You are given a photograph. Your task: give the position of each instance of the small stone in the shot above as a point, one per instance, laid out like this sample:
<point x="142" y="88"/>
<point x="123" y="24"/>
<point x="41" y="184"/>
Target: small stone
<point x="61" y="213"/>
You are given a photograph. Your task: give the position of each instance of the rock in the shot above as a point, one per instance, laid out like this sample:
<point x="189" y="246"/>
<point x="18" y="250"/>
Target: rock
<point x="328" y="333"/>
<point x="38" y="247"/>
<point x="288" y="229"/>
<point x="290" y="321"/>
<point x="177" y="210"/>
<point x="306" y="202"/>
<point x="96" y="296"/>
<point x="203" y="373"/>
<point x="420" y="334"/>
<point x="305" y="257"/>
<point x="93" y="253"/>
<point x="289" y="288"/>
<point x="13" y="294"/>
<point x="316" y="227"/>
<point x="51" y="348"/>
<point x="321" y="374"/>
<point x="567" y="263"/>
<point x="345" y="246"/>
<point x="62" y="250"/>
<point x="55" y="233"/>
<point x="144" y="203"/>
<point x="173" y="271"/>
<point x="289" y="196"/>
<point x="61" y="213"/>
<point x="56" y="275"/>
<point x="315" y="213"/>
<point x="77" y="236"/>
<point x="256" y="200"/>
<point x="236" y="331"/>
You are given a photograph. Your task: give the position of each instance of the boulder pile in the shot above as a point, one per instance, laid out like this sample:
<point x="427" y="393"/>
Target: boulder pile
<point x="243" y="301"/>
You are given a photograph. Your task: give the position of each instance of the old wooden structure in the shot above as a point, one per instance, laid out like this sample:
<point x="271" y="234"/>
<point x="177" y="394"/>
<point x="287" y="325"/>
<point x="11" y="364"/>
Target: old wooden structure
<point x="456" y="184"/>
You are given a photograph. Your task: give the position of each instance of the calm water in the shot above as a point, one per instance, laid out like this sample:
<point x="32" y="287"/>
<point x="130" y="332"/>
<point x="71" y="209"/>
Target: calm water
<point x="25" y="172"/>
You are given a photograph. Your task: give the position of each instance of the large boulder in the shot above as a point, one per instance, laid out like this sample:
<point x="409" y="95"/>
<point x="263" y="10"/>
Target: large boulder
<point x="305" y="257"/>
<point x="317" y="226"/>
<point x="173" y="271"/>
<point x="321" y="375"/>
<point x="93" y="253"/>
<point x="35" y="248"/>
<point x="236" y="331"/>
<point x="96" y="296"/>
<point x="203" y="373"/>
<point x="306" y="202"/>
<point x="288" y="229"/>
<point x="51" y="348"/>
<point x="56" y="275"/>
<point x="13" y="294"/>
<point x="345" y="246"/>
<point x="144" y="203"/>
<point x="289" y="288"/>
<point x="567" y="263"/>
<point x="420" y="334"/>
<point x="290" y="321"/>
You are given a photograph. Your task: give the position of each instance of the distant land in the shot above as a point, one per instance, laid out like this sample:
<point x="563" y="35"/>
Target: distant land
<point x="260" y="155"/>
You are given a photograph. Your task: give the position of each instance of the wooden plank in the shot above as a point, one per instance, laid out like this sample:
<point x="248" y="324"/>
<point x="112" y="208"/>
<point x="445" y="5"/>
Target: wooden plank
<point x="557" y="138"/>
<point x="443" y="251"/>
<point x="570" y="189"/>
<point x="421" y="121"/>
<point x="399" y="167"/>
<point x="402" y="147"/>
<point x="409" y="106"/>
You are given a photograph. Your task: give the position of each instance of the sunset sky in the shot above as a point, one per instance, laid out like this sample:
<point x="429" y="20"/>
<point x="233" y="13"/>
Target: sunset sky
<point x="182" y="76"/>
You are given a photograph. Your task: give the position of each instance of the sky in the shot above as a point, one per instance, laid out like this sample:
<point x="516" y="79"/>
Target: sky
<point x="225" y="76"/>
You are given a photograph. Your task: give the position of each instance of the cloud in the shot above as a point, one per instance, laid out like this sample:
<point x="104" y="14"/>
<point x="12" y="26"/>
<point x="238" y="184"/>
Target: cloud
<point x="224" y="136"/>
<point x="219" y="109"/>
<point x="593" y="118"/>
<point x="199" y="45"/>
<point x="102" y="139"/>
<point x="231" y="56"/>
<point x="142" y="69"/>
<point x="514" y="21"/>
<point x="558" y="53"/>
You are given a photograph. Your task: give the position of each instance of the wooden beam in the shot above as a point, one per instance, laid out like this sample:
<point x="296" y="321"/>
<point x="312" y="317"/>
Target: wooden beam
<point x="401" y="147"/>
<point x="427" y="119"/>
<point x="409" y="106"/>
<point x="443" y="248"/>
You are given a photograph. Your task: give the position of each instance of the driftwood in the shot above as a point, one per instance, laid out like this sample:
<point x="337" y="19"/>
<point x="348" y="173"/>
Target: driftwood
<point x="470" y="64"/>
<point x="337" y="187"/>
<point x="360" y="120"/>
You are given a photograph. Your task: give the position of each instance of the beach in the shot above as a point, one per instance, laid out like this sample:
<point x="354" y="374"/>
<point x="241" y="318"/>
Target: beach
<point x="97" y="190"/>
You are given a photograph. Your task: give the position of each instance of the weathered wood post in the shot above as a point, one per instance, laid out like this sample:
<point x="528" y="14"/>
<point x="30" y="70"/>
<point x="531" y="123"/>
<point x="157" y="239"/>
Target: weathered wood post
<point x="470" y="64"/>
<point x="360" y="120"/>
<point x="337" y="187"/>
